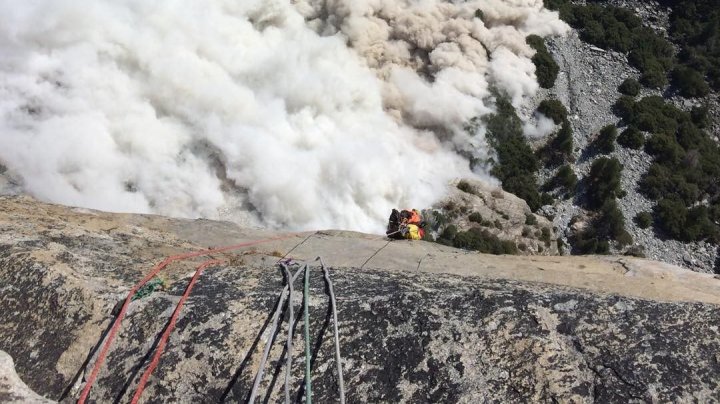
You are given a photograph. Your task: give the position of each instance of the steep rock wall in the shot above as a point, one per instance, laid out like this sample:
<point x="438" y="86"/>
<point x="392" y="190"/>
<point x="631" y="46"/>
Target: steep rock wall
<point x="418" y="322"/>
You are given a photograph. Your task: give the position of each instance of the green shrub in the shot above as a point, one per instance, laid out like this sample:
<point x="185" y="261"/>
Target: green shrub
<point x="606" y="27"/>
<point x="603" y="181"/>
<point x="661" y="181"/>
<point x="631" y="138"/>
<point x="546" y="69"/>
<point x="435" y="218"/>
<point x="647" y="122"/>
<point x="498" y="224"/>
<point x="560" y="148"/>
<point x="690" y="136"/>
<point x="685" y="224"/>
<point x="564" y="7"/>
<point x="690" y="82"/>
<point x="630" y="87"/>
<point x="651" y="114"/>
<point x="624" y="239"/>
<point x="624" y="107"/>
<point x="608" y="225"/>
<point x="565" y="178"/>
<point x="651" y="54"/>
<point x="553" y="109"/>
<point x="449" y="232"/>
<point x="563" y="142"/>
<point x="699" y="116"/>
<point x="546" y="199"/>
<point x="517" y="165"/>
<point x="525" y="188"/>
<point x="611" y="223"/>
<point x="481" y="240"/>
<point x="654" y="77"/>
<point x="672" y="215"/>
<point x="665" y="149"/>
<point x="605" y="143"/>
<point x="694" y="27"/>
<point x="465" y="187"/>
<point x="588" y="242"/>
<point x="526" y="231"/>
<point x="643" y="220"/>
<point x="545" y="236"/>
<point x="475" y="217"/>
<point x="530" y="219"/>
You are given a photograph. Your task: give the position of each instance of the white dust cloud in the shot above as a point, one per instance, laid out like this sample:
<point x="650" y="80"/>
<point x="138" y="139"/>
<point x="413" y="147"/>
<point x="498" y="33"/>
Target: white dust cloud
<point x="538" y="127"/>
<point x="309" y="114"/>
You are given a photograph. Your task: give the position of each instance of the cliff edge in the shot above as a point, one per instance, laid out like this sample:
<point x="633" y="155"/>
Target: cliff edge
<point x="418" y="322"/>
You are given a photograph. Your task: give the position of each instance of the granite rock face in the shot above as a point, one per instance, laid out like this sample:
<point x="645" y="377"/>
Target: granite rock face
<point x="12" y="388"/>
<point x="418" y="322"/>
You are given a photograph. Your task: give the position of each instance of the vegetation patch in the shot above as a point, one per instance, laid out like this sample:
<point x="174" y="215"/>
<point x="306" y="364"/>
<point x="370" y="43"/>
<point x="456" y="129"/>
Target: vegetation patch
<point x="475" y="217"/>
<point x="644" y="220"/>
<point x="685" y="169"/>
<point x="686" y="224"/>
<point x="619" y="29"/>
<point x="517" y="165"/>
<point x="603" y="182"/>
<point x="476" y="239"/>
<point x="465" y="187"/>
<point x="684" y="178"/>
<point x="690" y="82"/>
<point x="630" y="87"/>
<point x="546" y="69"/>
<point x="564" y="179"/>
<point x="694" y="27"/>
<point x="545" y="236"/>
<point x="605" y="143"/>
<point x="553" y="109"/>
<point x="608" y="225"/>
<point x="530" y="219"/>
<point x="631" y="138"/>
<point x="559" y="149"/>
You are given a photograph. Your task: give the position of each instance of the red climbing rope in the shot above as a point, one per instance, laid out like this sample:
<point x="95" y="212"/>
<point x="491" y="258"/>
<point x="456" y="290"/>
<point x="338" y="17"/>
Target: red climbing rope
<point x="166" y="335"/>
<point x="159" y="267"/>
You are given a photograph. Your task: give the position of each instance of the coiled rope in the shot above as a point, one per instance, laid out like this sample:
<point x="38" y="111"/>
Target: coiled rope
<point x="338" y="359"/>
<point x="268" y="344"/>
<point x="123" y="310"/>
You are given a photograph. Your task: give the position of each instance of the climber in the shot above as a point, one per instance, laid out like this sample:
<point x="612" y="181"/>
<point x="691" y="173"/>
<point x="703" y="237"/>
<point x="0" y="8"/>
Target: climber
<point x="405" y="224"/>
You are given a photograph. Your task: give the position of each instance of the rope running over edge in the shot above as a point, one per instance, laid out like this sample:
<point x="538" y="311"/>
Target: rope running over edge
<point x="123" y="311"/>
<point x="268" y="344"/>
<point x="338" y="359"/>
<point x="168" y="330"/>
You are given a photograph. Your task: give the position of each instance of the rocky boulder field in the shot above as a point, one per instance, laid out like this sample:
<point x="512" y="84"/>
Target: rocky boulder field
<point x="418" y="321"/>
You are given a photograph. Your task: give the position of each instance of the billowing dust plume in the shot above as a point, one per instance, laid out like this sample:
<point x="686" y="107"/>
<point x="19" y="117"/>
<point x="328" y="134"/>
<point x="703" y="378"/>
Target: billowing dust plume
<point x="302" y="114"/>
